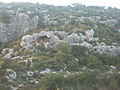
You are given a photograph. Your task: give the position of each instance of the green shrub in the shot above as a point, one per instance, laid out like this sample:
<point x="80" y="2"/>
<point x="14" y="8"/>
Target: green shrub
<point x="64" y="47"/>
<point x="72" y="66"/>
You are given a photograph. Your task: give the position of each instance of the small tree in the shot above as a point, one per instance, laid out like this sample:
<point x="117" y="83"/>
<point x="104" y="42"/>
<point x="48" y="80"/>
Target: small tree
<point x="53" y="81"/>
<point x="39" y="64"/>
<point x="79" y="51"/>
<point x="93" y="62"/>
<point x="64" y="47"/>
<point x="82" y="60"/>
<point x="62" y="57"/>
<point x="72" y="66"/>
<point x="55" y="65"/>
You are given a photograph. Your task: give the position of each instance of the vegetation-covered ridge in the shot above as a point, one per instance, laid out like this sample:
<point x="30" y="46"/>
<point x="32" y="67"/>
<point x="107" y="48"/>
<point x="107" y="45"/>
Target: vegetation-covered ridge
<point x="47" y="47"/>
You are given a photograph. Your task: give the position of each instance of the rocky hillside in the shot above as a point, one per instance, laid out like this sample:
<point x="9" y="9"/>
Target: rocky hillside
<point x="18" y="18"/>
<point x="46" y="47"/>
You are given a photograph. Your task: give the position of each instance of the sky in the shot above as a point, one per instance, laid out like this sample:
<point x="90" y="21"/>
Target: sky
<point x="112" y="3"/>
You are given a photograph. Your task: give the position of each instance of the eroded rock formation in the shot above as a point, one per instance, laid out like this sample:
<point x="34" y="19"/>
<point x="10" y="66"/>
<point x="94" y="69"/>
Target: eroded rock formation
<point x="19" y="25"/>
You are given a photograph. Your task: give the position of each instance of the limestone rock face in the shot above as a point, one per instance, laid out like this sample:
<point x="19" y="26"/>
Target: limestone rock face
<point x="18" y="26"/>
<point x="73" y="38"/>
<point x="50" y="21"/>
<point x="27" y="39"/>
<point x="7" y="52"/>
<point x="47" y="39"/>
<point x="82" y="37"/>
<point x="101" y="48"/>
<point x="34" y="22"/>
<point x="108" y="49"/>
<point x="54" y="38"/>
<point x="86" y="44"/>
<point x="50" y="39"/>
<point x="89" y="35"/>
<point x="27" y="42"/>
<point x="62" y="34"/>
<point x="3" y="35"/>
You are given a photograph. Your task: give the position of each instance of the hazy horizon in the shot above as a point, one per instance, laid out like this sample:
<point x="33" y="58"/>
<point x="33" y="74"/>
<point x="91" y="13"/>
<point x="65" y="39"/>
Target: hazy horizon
<point x="107" y="3"/>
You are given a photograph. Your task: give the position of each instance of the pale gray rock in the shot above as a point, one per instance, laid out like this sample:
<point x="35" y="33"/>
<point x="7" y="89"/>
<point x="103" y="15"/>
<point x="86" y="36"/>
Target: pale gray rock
<point x="95" y="39"/>
<point x="48" y="21"/>
<point x="30" y="73"/>
<point x="35" y="36"/>
<point x="47" y="70"/>
<point x="89" y="34"/>
<point x="54" y="45"/>
<point x="113" y="67"/>
<point x="108" y="22"/>
<point x="62" y="34"/>
<point x="46" y="45"/>
<point x="11" y="74"/>
<point x="34" y="22"/>
<point x="5" y="50"/>
<point x="54" y="38"/>
<point x="27" y="61"/>
<point x="8" y="53"/>
<point x="29" y="47"/>
<point x="14" y="88"/>
<point x="27" y="39"/>
<point x="101" y="48"/>
<point x="30" y="42"/>
<point x="73" y="38"/>
<point x="19" y="25"/>
<point x="110" y="50"/>
<point x="17" y="57"/>
<point x="119" y="30"/>
<point x="53" y="42"/>
<point x="86" y="44"/>
<point x="82" y="37"/>
<point x="46" y="33"/>
<point x="27" y="42"/>
<point x="3" y="35"/>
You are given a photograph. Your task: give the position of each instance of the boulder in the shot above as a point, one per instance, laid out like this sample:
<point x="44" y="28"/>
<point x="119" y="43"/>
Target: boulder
<point x="73" y="38"/>
<point x="89" y="34"/>
<point x="86" y="44"/>
<point x="82" y="37"/>
<point x="50" y="39"/>
<point x="11" y="74"/>
<point x="47" y="70"/>
<point x="30" y="73"/>
<point x="107" y="49"/>
<point x="7" y="52"/>
<point x="27" y="42"/>
<point x="27" y="39"/>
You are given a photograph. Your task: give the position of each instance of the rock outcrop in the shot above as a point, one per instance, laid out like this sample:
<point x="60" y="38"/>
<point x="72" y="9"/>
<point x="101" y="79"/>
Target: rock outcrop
<point x="50" y="21"/>
<point x="89" y="35"/>
<point x="47" y="39"/>
<point x="19" y="25"/>
<point x="27" y="42"/>
<point x="7" y="52"/>
<point x="3" y="33"/>
<point x="73" y="38"/>
<point x="50" y="39"/>
<point x="107" y="49"/>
